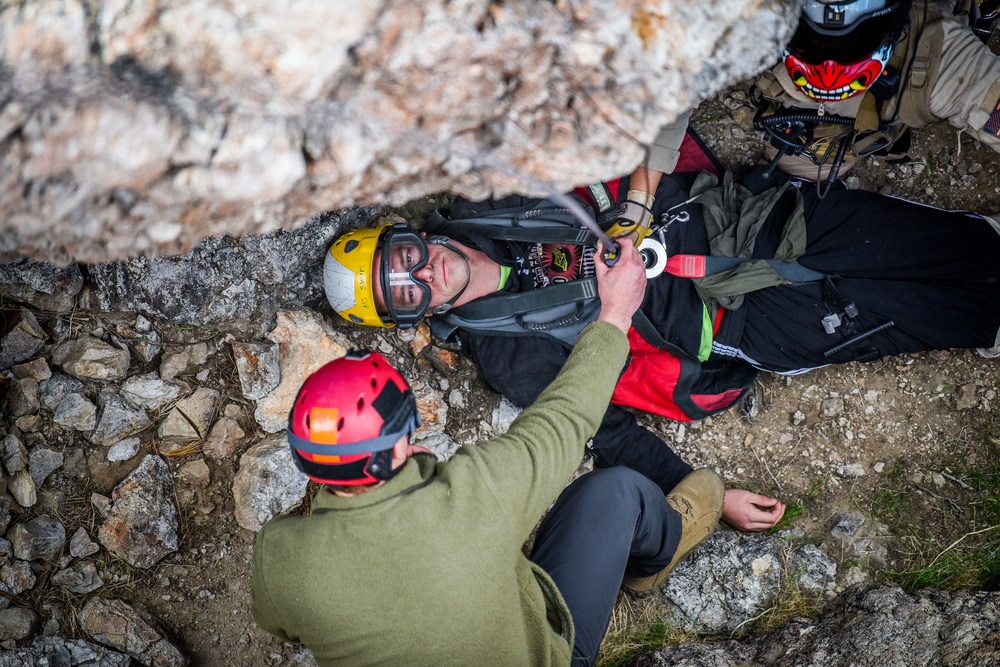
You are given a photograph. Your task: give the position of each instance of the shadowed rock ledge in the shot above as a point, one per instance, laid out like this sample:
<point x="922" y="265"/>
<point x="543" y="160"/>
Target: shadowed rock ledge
<point x="877" y="626"/>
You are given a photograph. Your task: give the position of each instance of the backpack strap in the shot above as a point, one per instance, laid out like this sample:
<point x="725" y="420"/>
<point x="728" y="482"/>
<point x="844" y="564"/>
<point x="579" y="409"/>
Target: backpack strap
<point x="488" y="228"/>
<point x="924" y="44"/>
<point x="503" y="304"/>
<point x="540" y="221"/>
<point x="602" y="197"/>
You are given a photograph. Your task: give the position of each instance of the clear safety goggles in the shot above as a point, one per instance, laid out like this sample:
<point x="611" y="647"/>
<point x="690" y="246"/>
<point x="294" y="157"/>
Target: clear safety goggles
<point x="407" y="298"/>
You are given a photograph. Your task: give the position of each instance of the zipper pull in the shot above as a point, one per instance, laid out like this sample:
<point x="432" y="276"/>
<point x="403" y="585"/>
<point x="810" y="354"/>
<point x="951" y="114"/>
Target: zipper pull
<point x="822" y="109"/>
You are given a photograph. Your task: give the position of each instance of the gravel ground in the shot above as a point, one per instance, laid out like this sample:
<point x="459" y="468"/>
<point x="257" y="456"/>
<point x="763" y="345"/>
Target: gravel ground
<point x="834" y="437"/>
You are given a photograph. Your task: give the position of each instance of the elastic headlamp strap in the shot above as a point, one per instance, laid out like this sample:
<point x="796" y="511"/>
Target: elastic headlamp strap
<point x="377" y="444"/>
<point x="378" y="466"/>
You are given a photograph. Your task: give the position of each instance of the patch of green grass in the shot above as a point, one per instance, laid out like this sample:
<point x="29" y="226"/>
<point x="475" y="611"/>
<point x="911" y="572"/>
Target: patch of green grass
<point x="620" y="649"/>
<point x="637" y="626"/>
<point x="970" y="561"/>
<point x="948" y="536"/>
<point x="798" y="507"/>
<point x="889" y="501"/>
<point x="931" y="168"/>
<point x="792" y="510"/>
<point x="816" y="487"/>
<point x="791" y="602"/>
<point x="714" y="117"/>
<point x="197" y="333"/>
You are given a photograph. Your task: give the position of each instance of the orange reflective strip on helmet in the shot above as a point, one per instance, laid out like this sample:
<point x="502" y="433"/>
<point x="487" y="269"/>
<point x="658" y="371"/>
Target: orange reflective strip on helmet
<point x="323" y="425"/>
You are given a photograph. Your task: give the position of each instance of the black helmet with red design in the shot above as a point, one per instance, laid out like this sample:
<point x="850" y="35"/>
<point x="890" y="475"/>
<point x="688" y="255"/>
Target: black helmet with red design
<point x="841" y="48"/>
<point x="347" y="417"/>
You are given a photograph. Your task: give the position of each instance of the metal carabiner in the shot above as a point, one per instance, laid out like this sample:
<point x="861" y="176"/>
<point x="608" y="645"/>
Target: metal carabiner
<point x="669" y="217"/>
<point x="683" y="216"/>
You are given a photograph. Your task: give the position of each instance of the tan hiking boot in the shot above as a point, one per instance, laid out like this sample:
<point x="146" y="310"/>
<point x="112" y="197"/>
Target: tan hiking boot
<point x="698" y="499"/>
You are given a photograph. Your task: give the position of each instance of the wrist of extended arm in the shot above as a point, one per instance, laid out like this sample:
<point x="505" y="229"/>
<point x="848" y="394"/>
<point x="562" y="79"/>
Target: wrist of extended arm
<point x="644" y="199"/>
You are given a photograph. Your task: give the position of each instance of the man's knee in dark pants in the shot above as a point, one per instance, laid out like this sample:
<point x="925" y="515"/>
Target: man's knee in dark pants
<point x="607" y="522"/>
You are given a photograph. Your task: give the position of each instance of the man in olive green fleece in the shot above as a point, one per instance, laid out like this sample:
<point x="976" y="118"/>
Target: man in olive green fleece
<point x="408" y="561"/>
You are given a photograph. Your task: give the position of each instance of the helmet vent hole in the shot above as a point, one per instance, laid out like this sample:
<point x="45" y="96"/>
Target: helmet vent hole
<point x="340" y="424"/>
<point x="361" y="404"/>
<point x="374" y="384"/>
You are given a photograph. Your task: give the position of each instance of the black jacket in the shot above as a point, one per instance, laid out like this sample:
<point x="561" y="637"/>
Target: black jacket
<point x="519" y="367"/>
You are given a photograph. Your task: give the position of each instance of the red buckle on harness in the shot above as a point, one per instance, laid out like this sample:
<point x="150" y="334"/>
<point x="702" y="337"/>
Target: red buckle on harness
<point x="686" y="266"/>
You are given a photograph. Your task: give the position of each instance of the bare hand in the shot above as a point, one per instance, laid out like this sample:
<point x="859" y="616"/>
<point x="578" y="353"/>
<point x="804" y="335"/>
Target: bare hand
<point x="621" y="287"/>
<point x="748" y="511"/>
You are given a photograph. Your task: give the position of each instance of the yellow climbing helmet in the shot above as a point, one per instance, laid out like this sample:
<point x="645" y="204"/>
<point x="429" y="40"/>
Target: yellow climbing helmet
<point x="347" y="276"/>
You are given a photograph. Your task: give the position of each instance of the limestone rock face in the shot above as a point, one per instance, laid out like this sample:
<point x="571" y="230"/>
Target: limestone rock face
<point x="125" y="628"/>
<point x="187" y="118"/>
<point x="305" y="343"/>
<point x="141" y="525"/>
<point x="700" y="591"/>
<point x="268" y="483"/>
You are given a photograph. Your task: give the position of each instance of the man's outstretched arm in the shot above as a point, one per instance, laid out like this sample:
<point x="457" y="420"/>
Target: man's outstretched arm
<point x="521" y="367"/>
<point x="544" y="445"/>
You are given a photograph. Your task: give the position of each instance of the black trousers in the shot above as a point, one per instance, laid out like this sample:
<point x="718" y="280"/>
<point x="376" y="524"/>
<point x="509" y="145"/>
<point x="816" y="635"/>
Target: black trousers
<point x="609" y="522"/>
<point x="935" y="274"/>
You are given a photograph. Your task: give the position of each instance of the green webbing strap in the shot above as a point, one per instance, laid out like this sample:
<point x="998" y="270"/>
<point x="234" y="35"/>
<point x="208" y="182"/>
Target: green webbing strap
<point x="503" y="304"/>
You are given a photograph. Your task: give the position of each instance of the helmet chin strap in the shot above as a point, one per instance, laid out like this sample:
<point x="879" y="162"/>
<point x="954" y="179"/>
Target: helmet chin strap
<point x="445" y="242"/>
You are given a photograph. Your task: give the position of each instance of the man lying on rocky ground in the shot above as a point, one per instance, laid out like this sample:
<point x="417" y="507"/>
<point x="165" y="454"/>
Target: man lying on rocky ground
<point x="390" y="503"/>
<point x="871" y="276"/>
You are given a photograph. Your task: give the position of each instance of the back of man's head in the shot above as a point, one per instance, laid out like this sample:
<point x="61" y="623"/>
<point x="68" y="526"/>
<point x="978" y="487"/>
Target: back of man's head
<point x="347" y="419"/>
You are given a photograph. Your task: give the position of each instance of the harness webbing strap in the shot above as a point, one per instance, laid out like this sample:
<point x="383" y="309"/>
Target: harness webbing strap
<point x="503" y="304"/>
<point x="602" y="197"/>
<point x="561" y="234"/>
<point x="699" y="266"/>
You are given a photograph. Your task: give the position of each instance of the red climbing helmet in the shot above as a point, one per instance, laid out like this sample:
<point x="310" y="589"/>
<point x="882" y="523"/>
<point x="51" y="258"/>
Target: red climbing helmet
<point x="347" y="417"/>
<point x="841" y="48"/>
